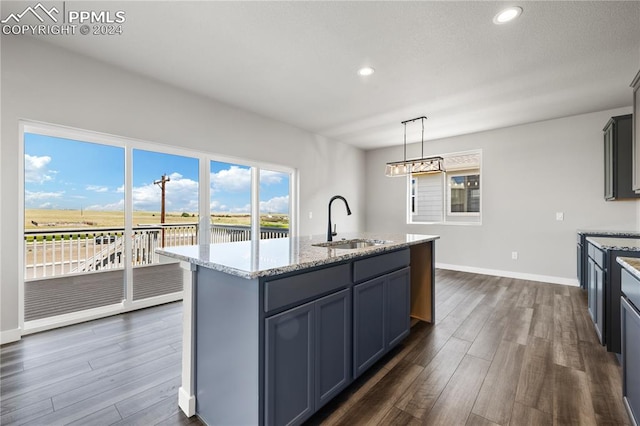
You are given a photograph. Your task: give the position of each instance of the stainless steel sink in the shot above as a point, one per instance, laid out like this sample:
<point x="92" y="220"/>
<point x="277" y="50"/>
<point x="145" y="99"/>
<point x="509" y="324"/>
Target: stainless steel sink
<point x="352" y="244"/>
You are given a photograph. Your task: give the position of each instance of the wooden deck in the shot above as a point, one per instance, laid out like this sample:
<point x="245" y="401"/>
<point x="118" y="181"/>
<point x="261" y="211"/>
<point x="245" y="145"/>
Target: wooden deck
<point x="503" y="352"/>
<point x="71" y="293"/>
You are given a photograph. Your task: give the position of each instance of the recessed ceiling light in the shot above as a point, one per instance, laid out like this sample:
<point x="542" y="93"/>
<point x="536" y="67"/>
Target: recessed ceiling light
<point x="506" y="15"/>
<point x="366" y="71"/>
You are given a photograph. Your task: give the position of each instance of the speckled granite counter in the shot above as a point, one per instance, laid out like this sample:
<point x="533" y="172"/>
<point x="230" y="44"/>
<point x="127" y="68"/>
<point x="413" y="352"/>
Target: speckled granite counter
<point x="278" y="256"/>
<point x="610" y="243"/>
<point x="609" y="233"/>
<point x="630" y="264"/>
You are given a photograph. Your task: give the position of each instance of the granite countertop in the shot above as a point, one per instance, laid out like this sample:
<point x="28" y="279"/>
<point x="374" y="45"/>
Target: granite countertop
<point x="281" y="255"/>
<point x="610" y="233"/>
<point x="631" y="264"/>
<point x="610" y="243"/>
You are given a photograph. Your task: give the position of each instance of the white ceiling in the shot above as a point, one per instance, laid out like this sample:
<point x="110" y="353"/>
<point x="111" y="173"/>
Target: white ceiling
<point x="296" y="62"/>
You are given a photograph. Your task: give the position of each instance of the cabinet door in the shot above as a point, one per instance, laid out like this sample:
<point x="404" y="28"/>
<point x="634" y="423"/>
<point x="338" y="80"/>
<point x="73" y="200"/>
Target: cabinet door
<point x="398" y="295"/>
<point x="636" y="132"/>
<point x="333" y="345"/>
<point x="631" y="358"/>
<point x="599" y="290"/>
<point x="289" y="362"/>
<point x="608" y="163"/>
<point x="579" y="265"/>
<point x="368" y="324"/>
<point x="591" y="289"/>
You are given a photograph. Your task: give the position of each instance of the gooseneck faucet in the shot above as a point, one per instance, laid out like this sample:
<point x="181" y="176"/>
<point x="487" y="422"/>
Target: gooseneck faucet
<point x="332" y="233"/>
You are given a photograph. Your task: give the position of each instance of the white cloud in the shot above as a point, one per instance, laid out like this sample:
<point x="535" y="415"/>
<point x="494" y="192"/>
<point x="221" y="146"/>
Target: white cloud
<point x="117" y="206"/>
<point x="245" y="209"/>
<point x="233" y="179"/>
<point x="181" y="195"/>
<point x="216" y="207"/>
<point x="268" y="177"/>
<point x="97" y="188"/>
<point x="275" y="205"/>
<point x="30" y="196"/>
<point x="41" y="199"/>
<point x="36" y="169"/>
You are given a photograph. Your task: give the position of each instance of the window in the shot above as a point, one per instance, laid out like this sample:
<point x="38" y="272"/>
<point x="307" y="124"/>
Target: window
<point x="450" y="197"/>
<point x="464" y="194"/>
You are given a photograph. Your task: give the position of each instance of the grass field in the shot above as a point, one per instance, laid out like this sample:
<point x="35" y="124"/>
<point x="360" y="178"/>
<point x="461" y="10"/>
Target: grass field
<point x="59" y="219"/>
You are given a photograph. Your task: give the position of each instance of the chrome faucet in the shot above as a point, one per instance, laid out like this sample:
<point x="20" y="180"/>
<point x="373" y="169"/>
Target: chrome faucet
<point x="333" y="233"/>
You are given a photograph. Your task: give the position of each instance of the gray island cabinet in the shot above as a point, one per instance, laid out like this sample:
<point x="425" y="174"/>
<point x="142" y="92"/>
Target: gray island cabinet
<point x="274" y="329"/>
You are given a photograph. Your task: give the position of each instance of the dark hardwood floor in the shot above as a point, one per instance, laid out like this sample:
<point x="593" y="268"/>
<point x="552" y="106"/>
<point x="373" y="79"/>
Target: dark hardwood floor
<point x="503" y="352"/>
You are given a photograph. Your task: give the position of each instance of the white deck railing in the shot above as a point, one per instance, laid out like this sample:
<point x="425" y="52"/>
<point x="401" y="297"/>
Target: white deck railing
<point x="71" y="251"/>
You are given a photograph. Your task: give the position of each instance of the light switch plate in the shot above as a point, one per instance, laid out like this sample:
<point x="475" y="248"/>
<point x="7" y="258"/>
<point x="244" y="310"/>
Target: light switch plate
<point x="559" y="216"/>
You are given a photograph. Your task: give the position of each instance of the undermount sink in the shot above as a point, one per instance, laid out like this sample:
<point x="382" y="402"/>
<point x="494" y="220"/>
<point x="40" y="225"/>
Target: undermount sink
<point x="352" y="244"/>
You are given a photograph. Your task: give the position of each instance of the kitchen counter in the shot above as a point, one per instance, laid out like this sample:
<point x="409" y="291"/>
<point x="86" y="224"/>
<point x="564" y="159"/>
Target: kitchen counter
<point x="611" y="243"/>
<point x="274" y="329"/>
<point x="630" y="264"/>
<point x="284" y="255"/>
<point x="609" y="233"/>
<point x="605" y="282"/>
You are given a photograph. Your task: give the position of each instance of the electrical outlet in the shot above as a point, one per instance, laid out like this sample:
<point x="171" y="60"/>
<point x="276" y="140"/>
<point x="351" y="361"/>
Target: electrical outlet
<point x="559" y="216"/>
<point x="310" y="215"/>
<point x="514" y="255"/>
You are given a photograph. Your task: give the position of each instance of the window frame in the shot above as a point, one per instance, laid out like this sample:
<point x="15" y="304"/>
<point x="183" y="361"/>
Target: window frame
<point x="448" y="217"/>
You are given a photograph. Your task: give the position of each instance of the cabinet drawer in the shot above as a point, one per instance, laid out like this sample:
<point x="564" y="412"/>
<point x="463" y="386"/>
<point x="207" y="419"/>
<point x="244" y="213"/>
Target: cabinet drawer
<point x="631" y="288"/>
<point x="297" y="288"/>
<point x="597" y="255"/>
<point x="375" y="266"/>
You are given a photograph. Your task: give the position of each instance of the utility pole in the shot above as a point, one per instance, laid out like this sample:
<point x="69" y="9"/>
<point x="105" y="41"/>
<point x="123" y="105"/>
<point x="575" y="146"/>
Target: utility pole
<point x="162" y="184"/>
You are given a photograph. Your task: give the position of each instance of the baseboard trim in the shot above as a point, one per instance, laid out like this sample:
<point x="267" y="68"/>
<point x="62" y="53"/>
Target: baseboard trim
<point x="8" y="336"/>
<point x="186" y="402"/>
<point x="509" y="274"/>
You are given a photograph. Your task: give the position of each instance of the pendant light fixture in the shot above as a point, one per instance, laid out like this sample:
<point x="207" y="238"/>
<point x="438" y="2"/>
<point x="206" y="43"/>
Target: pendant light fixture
<point x="416" y="166"/>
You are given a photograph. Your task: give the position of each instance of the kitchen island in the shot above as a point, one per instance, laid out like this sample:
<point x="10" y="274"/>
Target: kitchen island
<point x="274" y="329"/>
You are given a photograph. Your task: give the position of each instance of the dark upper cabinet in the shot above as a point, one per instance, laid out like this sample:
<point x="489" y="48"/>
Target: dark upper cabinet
<point x="636" y="132"/>
<point x="618" y="159"/>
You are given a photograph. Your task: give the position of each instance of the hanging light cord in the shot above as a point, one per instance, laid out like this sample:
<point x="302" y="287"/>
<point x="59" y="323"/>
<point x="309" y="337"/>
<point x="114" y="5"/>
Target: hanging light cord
<point x="422" y="152"/>
<point x="405" y="141"/>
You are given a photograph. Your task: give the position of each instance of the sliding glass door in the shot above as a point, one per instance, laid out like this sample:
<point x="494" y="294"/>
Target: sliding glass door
<point x="96" y="208"/>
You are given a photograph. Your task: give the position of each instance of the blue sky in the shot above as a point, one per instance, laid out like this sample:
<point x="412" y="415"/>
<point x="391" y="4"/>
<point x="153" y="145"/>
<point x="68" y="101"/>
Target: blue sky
<point x="67" y="174"/>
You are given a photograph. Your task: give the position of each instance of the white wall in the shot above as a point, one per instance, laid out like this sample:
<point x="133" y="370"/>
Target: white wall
<point x="529" y="173"/>
<point x="45" y="83"/>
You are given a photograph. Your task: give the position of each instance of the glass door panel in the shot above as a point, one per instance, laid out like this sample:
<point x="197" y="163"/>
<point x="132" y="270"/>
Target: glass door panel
<point x="274" y="204"/>
<point x="165" y="214"/>
<point x="74" y="226"/>
<point x="230" y="202"/>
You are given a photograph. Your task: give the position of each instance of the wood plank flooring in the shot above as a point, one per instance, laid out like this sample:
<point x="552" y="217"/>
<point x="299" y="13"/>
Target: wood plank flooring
<point x="503" y="352"/>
